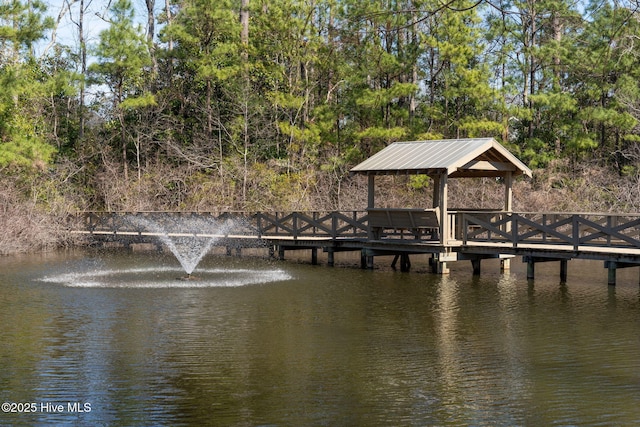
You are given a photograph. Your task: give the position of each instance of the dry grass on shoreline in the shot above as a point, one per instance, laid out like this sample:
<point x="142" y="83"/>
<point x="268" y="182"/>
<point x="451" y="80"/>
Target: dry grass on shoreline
<point x="27" y="227"/>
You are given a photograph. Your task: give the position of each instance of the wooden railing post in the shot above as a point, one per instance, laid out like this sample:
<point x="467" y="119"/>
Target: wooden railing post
<point x="259" y="224"/>
<point x="92" y="222"/>
<point x="575" y="222"/>
<point x="464" y="226"/>
<point x="294" y="225"/>
<point x="314" y="229"/>
<point x="334" y="225"/>
<point x="452" y="226"/>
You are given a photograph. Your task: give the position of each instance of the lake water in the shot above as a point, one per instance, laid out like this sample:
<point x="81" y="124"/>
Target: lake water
<point x="112" y="338"/>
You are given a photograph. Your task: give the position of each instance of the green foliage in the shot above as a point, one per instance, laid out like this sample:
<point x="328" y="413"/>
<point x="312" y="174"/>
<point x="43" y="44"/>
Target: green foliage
<point x="382" y="135"/>
<point x="23" y="146"/>
<point x="206" y="37"/>
<point x="379" y="98"/>
<point x="308" y="135"/>
<point x="122" y="53"/>
<point x="629" y="171"/>
<point x="134" y="102"/>
<point x="21" y="25"/>
<point x="25" y="152"/>
<point x="609" y="117"/>
<point x="482" y="128"/>
<point x="428" y="136"/>
<point x="419" y="182"/>
<point x="536" y="153"/>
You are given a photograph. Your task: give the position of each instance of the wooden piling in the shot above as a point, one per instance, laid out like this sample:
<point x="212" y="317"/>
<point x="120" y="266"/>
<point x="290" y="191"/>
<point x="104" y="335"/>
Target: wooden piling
<point x="405" y="262"/>
<point x="475" y="263"/>
<point x="531" y="268"/>
<point x="330" y="257"/>
<point x="611" y="276"/>
<point x="564" y="266"/>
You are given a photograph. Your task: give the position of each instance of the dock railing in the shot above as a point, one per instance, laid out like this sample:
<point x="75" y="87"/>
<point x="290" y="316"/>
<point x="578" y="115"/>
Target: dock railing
<point x="557" y="230"/>
<point x="296" y="225"/>
<point x="302" y="225"/>
<point x="573" y="230"/>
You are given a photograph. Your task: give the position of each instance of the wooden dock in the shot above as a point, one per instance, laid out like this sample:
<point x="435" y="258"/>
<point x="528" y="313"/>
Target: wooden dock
<point x="400" y="233"/>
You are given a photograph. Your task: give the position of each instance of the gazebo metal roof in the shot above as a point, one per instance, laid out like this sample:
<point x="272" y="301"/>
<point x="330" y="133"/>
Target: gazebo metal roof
<point x="474" y="157"/>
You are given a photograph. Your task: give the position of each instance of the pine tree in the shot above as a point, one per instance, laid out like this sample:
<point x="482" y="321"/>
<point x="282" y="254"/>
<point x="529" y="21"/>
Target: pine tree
<point x="22" y="141"/>
<point x="606" y="72"/>
<point x="122" y="62"/>
<point x="380" y="85"/>
<point x="460" y="96"/>
<point x="203" y="60"/>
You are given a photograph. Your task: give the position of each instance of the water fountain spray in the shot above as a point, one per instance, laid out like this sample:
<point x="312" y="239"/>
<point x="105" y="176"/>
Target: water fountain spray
<point x="188" y="238"/>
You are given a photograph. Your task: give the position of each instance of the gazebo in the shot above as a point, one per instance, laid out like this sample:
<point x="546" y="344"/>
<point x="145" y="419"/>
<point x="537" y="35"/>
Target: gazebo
<point x="440" y="160"/>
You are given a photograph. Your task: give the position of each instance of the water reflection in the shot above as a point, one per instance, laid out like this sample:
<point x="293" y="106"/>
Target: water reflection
<point x="321" y="347"/>
<point x="481" y="358"/>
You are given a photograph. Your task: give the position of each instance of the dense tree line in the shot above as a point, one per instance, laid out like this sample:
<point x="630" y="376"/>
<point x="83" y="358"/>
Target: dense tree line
<point x="254" y="104"/>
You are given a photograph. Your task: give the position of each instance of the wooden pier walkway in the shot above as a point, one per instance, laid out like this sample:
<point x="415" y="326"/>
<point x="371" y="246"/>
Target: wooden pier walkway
<point x="471" y="235"/>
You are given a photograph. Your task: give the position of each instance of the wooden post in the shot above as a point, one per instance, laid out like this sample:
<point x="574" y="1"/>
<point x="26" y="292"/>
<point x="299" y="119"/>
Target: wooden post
<point x="508" y="192"/>
<point x="438" y="266"/>
<point x="531" y="268"/>
<point x="442" y="204"/>
<point x="505" y="264"/>
<point x="314" y="256"/>
<point x="611" y="267"/>
<point x="436" y="191"/>
<point x="371" y="202"/>
<point x="330" y="257"/>
<point x="475" y="263"/>
<point x="405" y="263"/>
<point x="436" y="200"/>
<point x="371" y="191"/>
<point x="564" y="265"/>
